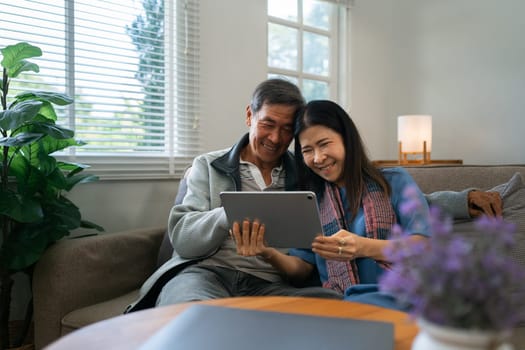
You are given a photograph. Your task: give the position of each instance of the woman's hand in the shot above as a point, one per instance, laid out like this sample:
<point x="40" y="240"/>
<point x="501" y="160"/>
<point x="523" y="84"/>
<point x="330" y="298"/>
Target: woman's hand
<point x="249" y="239"/>
<point x="342" y="246"/>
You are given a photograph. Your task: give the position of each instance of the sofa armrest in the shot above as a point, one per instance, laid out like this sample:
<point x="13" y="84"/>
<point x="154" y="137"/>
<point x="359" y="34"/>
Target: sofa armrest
<point x="78" y="272"/>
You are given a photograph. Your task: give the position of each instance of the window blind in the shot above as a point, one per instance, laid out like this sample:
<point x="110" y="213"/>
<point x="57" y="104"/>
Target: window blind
<point x="132" y="68"/>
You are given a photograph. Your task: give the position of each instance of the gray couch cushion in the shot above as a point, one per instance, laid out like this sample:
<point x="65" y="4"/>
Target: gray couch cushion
<point x="456" y="178"/>
<point x="96" y="312"/>
<point x="513" y="194"/>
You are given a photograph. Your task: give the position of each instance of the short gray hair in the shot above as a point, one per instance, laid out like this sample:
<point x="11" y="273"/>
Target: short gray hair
<point x="276" y="91"/>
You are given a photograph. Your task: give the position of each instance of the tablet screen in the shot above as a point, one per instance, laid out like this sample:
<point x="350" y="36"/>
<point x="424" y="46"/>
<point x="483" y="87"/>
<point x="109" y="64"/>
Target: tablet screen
<point x="291" y="217"/>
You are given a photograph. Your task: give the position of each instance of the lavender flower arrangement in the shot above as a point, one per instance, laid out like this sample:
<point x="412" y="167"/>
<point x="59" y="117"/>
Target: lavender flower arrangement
<point x="457" y="280"/>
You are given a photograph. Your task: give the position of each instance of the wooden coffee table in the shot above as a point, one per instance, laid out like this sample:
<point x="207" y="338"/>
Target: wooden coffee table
<point x="131" y="330"/>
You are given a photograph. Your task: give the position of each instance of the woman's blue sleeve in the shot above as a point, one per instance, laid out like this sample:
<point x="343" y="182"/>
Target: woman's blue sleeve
<point x="417" y="220"/>
<point x="305" y="254"/>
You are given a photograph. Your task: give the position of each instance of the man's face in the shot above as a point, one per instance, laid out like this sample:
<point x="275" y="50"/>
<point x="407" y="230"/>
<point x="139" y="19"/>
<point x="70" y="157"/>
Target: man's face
<point x="271" y="131"/>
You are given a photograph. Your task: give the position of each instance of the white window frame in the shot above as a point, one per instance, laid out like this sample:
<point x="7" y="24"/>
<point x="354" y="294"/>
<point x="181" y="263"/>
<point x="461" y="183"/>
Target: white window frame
<point x="337" y="78"/>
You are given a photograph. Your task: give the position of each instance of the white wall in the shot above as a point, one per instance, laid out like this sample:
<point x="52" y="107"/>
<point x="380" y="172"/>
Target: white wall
<point x="462" y="61"/>
<point x="233" y="61"/>
<point x="371" y="73"/>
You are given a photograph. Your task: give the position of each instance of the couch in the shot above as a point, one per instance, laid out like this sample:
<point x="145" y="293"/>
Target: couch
<point x="84" y="280"/>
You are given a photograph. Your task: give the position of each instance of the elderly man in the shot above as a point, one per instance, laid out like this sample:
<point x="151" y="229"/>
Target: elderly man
<point x="205" y="263"/>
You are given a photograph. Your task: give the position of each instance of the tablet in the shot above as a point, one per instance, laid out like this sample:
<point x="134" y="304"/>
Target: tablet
<point x="291" y="217"/>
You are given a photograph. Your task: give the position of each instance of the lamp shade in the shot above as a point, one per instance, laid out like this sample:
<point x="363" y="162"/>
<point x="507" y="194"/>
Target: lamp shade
<point x="413" y="130"/>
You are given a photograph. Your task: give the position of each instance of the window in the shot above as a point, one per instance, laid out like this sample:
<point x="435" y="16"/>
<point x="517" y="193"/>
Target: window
<point x="305" y="45"/>
<point x="134" y="78"/>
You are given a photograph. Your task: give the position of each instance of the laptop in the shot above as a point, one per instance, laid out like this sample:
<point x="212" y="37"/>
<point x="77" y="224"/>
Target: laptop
<point x="204" y="327"/>
<point x="291" y="218"/>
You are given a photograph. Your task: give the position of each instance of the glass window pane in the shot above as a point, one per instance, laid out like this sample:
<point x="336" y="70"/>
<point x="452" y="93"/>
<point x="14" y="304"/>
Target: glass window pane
<point x="315" y="90"/>
<point x="285" y="77"/>
<point x="316" y="52"/>
<point x="317" y="14"/>
<point x="282" y="46"/>
<point x="285" y="9"/>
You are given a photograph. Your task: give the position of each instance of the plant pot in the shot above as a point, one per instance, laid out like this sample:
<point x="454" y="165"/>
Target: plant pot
<point x="436" y="337"/>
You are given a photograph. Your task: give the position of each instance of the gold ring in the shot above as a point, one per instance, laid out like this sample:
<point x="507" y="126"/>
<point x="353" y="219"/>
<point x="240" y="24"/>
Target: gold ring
<point x="342" y="242"/>
<point x="340" y="250"/>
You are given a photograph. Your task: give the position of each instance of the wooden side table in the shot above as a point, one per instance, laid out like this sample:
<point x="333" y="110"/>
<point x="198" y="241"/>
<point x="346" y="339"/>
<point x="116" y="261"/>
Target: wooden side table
<point x="132" y="330"/>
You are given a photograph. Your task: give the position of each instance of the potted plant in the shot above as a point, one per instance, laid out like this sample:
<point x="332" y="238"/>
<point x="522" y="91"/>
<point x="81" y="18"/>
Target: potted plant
<point x="464" y="290"/>
<point x="34" y="212"/>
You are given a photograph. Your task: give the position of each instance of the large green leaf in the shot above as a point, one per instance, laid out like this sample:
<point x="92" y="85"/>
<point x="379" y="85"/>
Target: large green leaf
<point x="64" y="213"/>
<point x="91" y="225"/>
<point x="46" y="114"/>
<point x="22" y="66"/>
<point x="50" y="145"/>
<point x="35" y="152"/>
<point x="72" y="168"/>
<point x="49" y="96"/>
<point x="13" y="55"/>
<point x="20" y="208"/>
<point x="19" y="167"/>
<point x="17" y="52"/>
<point x="72" y="181"/>
<point x="51" y="129"/>
<point x="30" y="180"/>
<point x="25" y="246"/>
<point x="20" y="114"/>
<point x="19" y="140"/>
<point x="73" y="176"/>
<point x="45" y="164"/>
<point x="37" y="171"/>
<point x="57" y="179"/>
<point x="48" y="111"/>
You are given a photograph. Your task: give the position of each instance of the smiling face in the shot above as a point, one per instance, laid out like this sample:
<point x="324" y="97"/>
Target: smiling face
<point x="323" y="151"/>
<point x="271" y="131"/>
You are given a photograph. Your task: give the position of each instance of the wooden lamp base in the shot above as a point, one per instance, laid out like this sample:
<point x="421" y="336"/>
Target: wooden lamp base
<point x="414" y="157"/>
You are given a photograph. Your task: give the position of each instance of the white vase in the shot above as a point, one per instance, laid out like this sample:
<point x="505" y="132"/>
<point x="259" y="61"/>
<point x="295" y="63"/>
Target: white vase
<point x="436" y="337"/>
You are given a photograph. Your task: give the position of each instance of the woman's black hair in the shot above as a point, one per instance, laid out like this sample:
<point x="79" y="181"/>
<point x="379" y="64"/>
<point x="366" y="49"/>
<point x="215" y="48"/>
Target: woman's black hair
<point x="358" y="166"/>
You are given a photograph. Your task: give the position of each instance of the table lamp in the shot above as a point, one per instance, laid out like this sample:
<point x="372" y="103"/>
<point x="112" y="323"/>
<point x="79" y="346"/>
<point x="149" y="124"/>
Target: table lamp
<point x="414" y="135"/>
